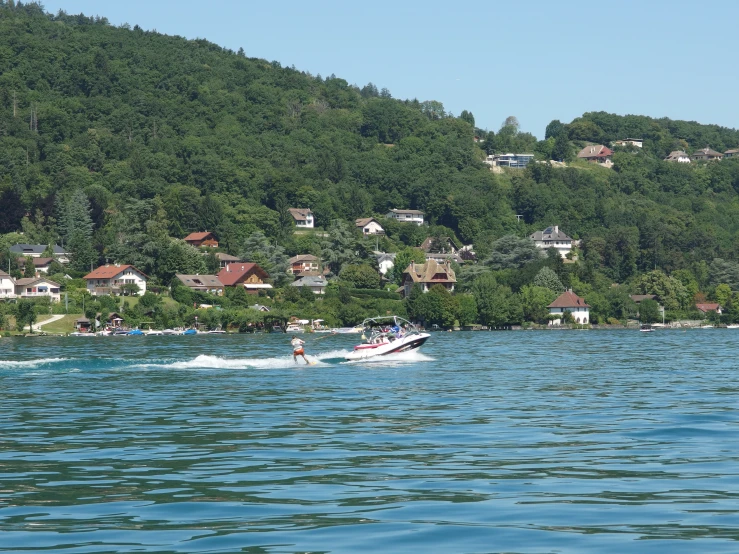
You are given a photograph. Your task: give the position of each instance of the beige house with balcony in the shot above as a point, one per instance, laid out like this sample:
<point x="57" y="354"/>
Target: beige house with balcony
<point x="38" y="287"/>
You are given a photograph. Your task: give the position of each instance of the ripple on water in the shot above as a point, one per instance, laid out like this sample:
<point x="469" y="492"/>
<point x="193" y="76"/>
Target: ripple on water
<point x="516" y="442"/>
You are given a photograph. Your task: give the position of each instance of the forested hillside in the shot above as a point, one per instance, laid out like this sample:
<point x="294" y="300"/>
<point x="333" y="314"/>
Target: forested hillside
<point x="164" y="136"/>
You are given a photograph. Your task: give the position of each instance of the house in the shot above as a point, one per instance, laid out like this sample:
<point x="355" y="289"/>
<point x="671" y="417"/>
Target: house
<point x="509" y="160"/>
<point x="82" y="324"/>
<point x="7" y="286"/>
<point x="202" y="283"/>
<point x="427" y="275"/>
<point x="568" y="301"/>
<point x="706" y="307"/>
<point x="303" y="263"/>
<point x="41" y="265"/>
<point x="248" y="275"/>
<point x="552" y="237"/>
<point x="316" y="283"/>
<point x="385" y="261"/>
<point x="225" y="259"/>
<point x="369" y="226"/>
<point x="406" y="216"/>
<point x="38" y="287"/>
<point x="259" y="308"/>
<point x="112" y="279"/>
<point x="439" y="244"/>
<point x="205" y="238"/>
<point x="36" y="250"/>
<point x="678" y="156"/>
<point x="629" y="142"/>
<point x="444" y="257"/>
<point x="706" y="154"/>
<point x="596" y="153"/>
<point x="731" y="153"/>
<point x="303" y="217"/>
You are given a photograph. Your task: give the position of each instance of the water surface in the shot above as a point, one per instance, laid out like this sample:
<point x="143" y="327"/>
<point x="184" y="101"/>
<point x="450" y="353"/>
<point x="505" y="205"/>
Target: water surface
<point x="523" y="442"/>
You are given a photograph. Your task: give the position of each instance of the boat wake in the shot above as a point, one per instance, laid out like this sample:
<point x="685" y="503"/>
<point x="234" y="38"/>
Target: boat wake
<point x="410" y="356"/>
<point x="30" y="364"/>
<point x="206" y="362"/>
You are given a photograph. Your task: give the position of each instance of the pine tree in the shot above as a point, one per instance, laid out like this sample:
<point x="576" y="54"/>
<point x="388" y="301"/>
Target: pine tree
<point x="76" y="227"/>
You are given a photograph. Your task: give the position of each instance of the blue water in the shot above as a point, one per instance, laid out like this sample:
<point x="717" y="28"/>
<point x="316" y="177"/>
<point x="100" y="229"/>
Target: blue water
<point x="531" y="442"/>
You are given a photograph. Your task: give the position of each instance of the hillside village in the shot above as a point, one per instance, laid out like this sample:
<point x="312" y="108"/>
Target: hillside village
<point x="172" y="182"/>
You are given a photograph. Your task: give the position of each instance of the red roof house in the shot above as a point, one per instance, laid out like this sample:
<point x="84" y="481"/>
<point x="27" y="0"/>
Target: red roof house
<point x="110" y="279"/>
<point x="205" y="238"/>
<point x="248" y="275"/>
<point x="706" y="307"/>
<point x="568" y="301"/>
<point x="596" y="153"/>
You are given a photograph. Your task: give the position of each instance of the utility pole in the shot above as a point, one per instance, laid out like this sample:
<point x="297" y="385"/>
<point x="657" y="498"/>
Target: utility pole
<point x="15" y="105"/>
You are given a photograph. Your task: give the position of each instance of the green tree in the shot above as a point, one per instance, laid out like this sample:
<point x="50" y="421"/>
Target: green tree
<point x="26" y="314"/>
<point x="534" y="302"/>
<point x="362" y="276"/>
<point x="512" y="252"/>
<point x="76" y="228"/>
<point x="29" y="270"/>
<point x="547" y="278"/>
<point x="649" y="311"/>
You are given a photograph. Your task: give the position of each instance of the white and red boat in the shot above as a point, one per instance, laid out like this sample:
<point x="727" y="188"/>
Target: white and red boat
<point x="387" y="335"/>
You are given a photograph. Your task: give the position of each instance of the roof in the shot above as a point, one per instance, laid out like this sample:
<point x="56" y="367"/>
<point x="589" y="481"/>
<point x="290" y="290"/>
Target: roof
<point x="223" y="257"/>
<point x="382" y="256"/>
<point x="192" y="281"/>
<point x="413" y="212"/>
<point x="708" y="307"/>
<point x="300" y="214"/>
<point x="362" y="221"/>
<point x="732" y="151"/>
<point x="550" y="233"/>
<point x="41" y="262"/>
<point x="302" y="258"/>
<point x="568" y="299"/>
<point x="675" y="154"/>
<point x="595" y="151"/>
<point x="233" y="274"/>
<point x="109" y="271"/>
<point x="430" y="272"/>
<point x="199" y="236"/>
<point x="707" y="152"/>
<point x="4" y="275"/>
<point x="310" y="281"/>
<point x="33" y="280"/>
<point x="35" y="249"/>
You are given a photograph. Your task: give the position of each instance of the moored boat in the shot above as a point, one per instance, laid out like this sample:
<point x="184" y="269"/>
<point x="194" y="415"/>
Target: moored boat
<point x="387" y="335"/>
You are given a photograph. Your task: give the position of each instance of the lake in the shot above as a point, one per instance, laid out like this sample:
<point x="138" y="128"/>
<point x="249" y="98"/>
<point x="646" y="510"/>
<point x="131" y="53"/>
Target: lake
<point x="527" y="442"/>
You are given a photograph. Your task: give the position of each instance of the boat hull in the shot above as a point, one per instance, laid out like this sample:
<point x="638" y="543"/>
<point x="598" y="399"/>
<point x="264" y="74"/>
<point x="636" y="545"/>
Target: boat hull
<point x="406" y="344"/>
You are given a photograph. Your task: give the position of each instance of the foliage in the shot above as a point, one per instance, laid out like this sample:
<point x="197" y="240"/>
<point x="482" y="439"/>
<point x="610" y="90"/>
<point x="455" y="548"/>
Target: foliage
<point x="648" y="311"/>
<point x="512" y="252"/>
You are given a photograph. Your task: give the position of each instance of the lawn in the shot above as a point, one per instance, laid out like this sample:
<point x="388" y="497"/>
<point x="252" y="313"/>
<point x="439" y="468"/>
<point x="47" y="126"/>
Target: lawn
<point x="62" y="326"/>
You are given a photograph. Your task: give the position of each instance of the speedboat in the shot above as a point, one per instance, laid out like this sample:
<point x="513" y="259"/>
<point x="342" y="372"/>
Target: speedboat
<point x="646" y="328"/>
<point x="294" y="328"/>
<point x="385" y="335"/>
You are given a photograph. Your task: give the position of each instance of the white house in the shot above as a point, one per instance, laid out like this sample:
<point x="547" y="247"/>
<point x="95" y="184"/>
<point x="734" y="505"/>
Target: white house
<point x="36" y="250"/>
<point x="303" y="217"/>
<point x="385" y="261"/>
<point x="678" y="156"/>
<point x="569" y="302"/>
<point x="316" y="283"/>
<point x="552" y="237"/>
<point x="639" y="143"/>
<point x="32" y="287"/>
<point x="110" y="279"/>
<point x="369" y="226"/>
<point x="7" y="286"/>
<point x="406" y="216"/>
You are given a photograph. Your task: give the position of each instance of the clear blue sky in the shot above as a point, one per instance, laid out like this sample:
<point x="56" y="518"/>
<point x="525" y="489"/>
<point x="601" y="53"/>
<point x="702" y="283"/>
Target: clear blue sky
<point x="538" y="60"/>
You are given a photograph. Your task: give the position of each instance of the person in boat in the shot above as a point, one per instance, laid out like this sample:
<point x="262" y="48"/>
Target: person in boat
<point x="298" y="349"/>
